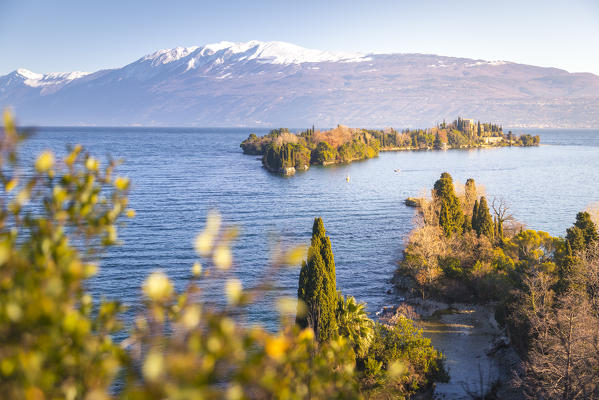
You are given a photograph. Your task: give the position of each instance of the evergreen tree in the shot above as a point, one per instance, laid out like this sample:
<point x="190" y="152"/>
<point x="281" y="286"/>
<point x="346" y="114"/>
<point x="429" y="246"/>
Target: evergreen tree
<point x="317" y="286"/>
<point x="437" y="144"/>
<point x="467" y="225"/>
<point x="587" y="226"/>
<point x="470" y="192"/>
<point x="575" y="238"/>
<point x="568" y="270"/>
<point x="474" y="223"/>
<point x="451" y="217"/>
<point x="484" y="219"/>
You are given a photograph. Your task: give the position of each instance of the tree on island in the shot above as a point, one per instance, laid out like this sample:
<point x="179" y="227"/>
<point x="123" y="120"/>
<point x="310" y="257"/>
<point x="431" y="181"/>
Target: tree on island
<point x="317" y="286"/>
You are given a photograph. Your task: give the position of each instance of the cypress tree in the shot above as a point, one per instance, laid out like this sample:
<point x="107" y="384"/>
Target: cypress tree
<point x="451" y="217"/>
<point x="475" y="224"/>
<point x="587" y="226"/>
<point x="467" y="225"/>
<point x="437" y="144"/>
<point x="470" y="191"/>
<point x="575" y="238"/>
<point x="484" y="219"/>
<point x="317" y="286"/>
<point x="568" y="269"/>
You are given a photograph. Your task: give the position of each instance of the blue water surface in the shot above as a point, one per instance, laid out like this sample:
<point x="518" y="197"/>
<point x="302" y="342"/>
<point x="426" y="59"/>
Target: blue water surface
<point x="180" y="174"/>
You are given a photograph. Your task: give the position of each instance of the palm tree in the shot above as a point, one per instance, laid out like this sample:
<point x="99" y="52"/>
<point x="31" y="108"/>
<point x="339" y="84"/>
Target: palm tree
<point x="354" y="324"/>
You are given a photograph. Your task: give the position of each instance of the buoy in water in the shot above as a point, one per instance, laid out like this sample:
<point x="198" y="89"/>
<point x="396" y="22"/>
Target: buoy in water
<point x="347" y="178"/>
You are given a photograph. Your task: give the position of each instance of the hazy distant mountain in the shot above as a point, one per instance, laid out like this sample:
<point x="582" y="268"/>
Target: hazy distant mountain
<point x="280" y="84"/>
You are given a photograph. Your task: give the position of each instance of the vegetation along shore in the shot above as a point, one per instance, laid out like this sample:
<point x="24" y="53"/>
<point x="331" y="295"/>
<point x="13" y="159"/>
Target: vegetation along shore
<point x="542" y="290"/>
<point x="285" y="152"/>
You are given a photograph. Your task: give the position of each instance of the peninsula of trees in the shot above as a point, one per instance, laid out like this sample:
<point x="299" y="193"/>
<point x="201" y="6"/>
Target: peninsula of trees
<point x="545" y="289"/>
<point x="285" y="152"/>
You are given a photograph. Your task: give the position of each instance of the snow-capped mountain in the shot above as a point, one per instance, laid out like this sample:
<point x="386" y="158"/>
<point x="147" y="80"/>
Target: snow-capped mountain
<point x="281" y="84"/>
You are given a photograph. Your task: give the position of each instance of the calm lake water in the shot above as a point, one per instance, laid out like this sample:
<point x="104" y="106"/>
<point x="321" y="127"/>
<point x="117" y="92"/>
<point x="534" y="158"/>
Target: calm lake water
<point x="180" y="174"/>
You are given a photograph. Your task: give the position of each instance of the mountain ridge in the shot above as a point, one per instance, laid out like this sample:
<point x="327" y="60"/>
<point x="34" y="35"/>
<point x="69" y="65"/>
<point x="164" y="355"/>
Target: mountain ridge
<point x="276" y="83"/>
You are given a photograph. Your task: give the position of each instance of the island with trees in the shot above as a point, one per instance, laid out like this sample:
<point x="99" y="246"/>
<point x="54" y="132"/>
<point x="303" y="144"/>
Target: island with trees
<point x="285" y="152"/>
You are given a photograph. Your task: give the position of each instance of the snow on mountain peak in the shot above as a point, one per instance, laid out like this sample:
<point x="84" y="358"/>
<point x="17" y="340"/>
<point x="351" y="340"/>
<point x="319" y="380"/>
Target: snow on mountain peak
<point x="492" y="63"/>
<point x="25" y="73"/>
<point x="166" y="56"/>
<point x="280" y="52"/>
<point x="33" y="79"/>
<point x="264" y="52"/>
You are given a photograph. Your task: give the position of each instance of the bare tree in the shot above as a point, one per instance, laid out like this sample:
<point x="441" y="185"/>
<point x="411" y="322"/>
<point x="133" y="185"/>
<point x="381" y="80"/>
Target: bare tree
<point x="502" y="213"/>
<point x="562" y="362"/>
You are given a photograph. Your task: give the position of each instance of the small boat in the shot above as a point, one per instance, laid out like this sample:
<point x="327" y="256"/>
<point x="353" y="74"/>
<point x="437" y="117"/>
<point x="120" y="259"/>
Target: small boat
<point x="397" y="170"/>
<point x="347" y="178"/>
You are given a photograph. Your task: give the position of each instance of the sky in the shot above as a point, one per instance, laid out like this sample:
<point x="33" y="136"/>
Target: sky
<point x="65" y="35"/>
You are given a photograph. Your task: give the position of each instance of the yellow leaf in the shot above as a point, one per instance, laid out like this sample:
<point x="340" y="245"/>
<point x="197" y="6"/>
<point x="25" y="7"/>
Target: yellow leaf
<point x="295" y="256"/>
<point x="10" y="185"/>
<point x="92" y="164"/>
<point x="44" y="161"/>
<point x="121" y="183"/>
<point x="191" y="316"/>
<point x="275" y="346"/>
<point x="158" y="287"/>
<point x="233" y="290"/>
<point x="222" y="257"/>
<point x="203" y="244"/>
<point x="9" y="124"/>
<point x="153" y="365"/>
<point x="196" y="270"/>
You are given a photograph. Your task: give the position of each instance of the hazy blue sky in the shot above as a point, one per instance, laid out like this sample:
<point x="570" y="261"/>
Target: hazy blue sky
<point x="65" y="35"/>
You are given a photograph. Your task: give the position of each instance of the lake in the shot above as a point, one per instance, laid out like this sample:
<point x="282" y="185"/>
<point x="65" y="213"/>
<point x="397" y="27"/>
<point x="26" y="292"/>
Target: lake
<point x="180" y="174"/>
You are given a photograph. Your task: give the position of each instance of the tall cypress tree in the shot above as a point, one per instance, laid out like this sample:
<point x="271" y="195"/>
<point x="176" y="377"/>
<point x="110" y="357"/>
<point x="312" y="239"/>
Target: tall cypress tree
<point x="451" y="217"/>
<point x="475" y="224"/>
<point x="470" y="192"/>
<point x="317" y="285"/>
<point x="587" y="226"/>
<point x="484" y="219"/>
<point x="575" y="238"/>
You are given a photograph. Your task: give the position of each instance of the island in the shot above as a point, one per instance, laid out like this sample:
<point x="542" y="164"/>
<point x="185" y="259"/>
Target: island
<point x="285" y="152"/>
